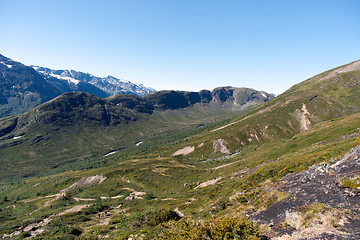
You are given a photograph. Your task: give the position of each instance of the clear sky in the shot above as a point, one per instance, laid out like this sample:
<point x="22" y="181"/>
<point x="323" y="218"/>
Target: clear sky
<point x="185" y="44"/>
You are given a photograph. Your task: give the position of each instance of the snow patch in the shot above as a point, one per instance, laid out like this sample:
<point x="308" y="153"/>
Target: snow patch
<point x="9" y="66"/>
<point x="110" y="153"/>
<point x="69" y="79"/>
<point x="138" y="143"/>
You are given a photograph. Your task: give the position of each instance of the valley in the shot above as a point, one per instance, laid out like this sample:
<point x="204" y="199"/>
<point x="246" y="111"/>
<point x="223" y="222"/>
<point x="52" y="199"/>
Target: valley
<point x="230" y="163"/>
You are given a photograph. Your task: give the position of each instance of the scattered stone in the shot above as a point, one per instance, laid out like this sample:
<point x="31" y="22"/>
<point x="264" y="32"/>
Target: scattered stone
<point x="178" y="212"/>
<point x="135" y="195"/>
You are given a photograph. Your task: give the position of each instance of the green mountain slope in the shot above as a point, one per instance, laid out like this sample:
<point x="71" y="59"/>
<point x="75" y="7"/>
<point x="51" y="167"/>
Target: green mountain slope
<point x="76" y="127"/>
<point x="332" y="94"/>
<point x="232" y="180"/>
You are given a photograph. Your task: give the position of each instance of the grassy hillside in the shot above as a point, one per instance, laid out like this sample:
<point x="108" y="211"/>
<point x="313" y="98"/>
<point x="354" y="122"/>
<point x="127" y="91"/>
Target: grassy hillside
<point x="326" y="96"/>
<point x="78" y="129"/>
<point x="174" y="183"/>
<point x="228" y="181"/>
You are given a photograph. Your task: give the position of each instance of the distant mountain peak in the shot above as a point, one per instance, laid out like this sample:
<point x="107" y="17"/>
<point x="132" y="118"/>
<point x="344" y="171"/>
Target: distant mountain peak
<point x="24" y="87"/>
<point x="110" y="84"/>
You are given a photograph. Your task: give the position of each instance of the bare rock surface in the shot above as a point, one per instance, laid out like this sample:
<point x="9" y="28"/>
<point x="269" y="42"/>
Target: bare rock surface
<point x="219" y="145"/>
<point x="86" y="182"/>
<point x="184" y="151"/>
<point x="318" y="184"/>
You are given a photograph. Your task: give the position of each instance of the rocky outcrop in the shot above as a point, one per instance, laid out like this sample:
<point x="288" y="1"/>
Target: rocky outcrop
<point x="219" y="145"/>
<point x="85" y="182"/>
<point x="319" y="184"/>
<point x="179" y="99"/>
<point x="184" y="151"/>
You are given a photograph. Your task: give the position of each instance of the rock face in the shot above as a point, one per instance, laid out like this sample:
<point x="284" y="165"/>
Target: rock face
<point x="219" y="145"/>
<point x="239" y="96"/>
<point x="85" y="109"/>
<point x="22" y="88"/>
<point x="319" y="184"/>
<point x="180" y="99"/>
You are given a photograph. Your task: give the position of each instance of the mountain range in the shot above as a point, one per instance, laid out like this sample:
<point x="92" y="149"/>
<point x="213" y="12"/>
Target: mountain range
<point x="232" y="163"/>
<point x="110" y="85"/>
<point x="46" y="134"/>
<point x="23" y="87"/>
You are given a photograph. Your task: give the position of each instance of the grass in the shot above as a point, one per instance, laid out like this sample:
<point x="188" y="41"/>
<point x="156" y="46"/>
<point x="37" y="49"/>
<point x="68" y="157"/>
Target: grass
<point x="177" y="181"/>
<point x="169" y="183"/>
<point x="352" y="183"/>
<point x="55" y="151"/>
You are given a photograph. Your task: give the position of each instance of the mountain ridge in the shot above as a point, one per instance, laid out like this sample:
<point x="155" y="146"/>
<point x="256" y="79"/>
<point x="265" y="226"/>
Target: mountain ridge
<point x="284" y="169"/>
<point x="116" y="122"/>
<point x="23" y="87"/>
<point x="111" y="85"/>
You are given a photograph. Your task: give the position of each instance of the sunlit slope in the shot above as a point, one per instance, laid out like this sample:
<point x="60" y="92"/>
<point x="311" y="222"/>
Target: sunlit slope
<point x="227" y="171"/>
<point x="329" y="95"/>
<point x="201" y="190"/>
<point x="76" y="127"/>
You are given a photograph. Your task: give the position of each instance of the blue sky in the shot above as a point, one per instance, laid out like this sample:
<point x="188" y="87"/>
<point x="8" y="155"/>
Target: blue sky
<point x="185" y="44"/>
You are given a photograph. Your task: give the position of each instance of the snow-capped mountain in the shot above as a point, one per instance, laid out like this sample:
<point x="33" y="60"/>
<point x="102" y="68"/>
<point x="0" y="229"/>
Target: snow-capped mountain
<point x="23" y="87"/>
<point x="110" y="85"/>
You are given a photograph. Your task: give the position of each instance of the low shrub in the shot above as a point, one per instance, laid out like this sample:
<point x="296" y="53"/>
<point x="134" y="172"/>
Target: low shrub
<point x="154" y="218"/>
<point x="224" y="228"/>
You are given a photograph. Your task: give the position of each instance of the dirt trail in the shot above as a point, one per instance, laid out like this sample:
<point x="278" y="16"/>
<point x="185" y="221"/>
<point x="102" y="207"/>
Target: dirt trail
<point x="84" y="199"/>
<point x="47" y="203"/>
<point x="38" y="198"/>
<point x="76" y="208"/>
<point x="38" y="228"/>
<point x="268" y="109"/>
<point x="225" y="165"/>
<point x="35" y="229"/>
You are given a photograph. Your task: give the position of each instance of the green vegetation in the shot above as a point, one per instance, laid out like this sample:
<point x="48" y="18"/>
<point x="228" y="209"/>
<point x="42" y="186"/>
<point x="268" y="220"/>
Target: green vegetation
<point x="223" y="228"/>
<point x="61" y="145"/>
<point x="353" y="183"/>
<point x="175" y="179"/>
<point x="148" y="193"/>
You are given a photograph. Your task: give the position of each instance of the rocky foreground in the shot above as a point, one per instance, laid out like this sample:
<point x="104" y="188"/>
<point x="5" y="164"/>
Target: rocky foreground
<point x="323" y="202"/>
